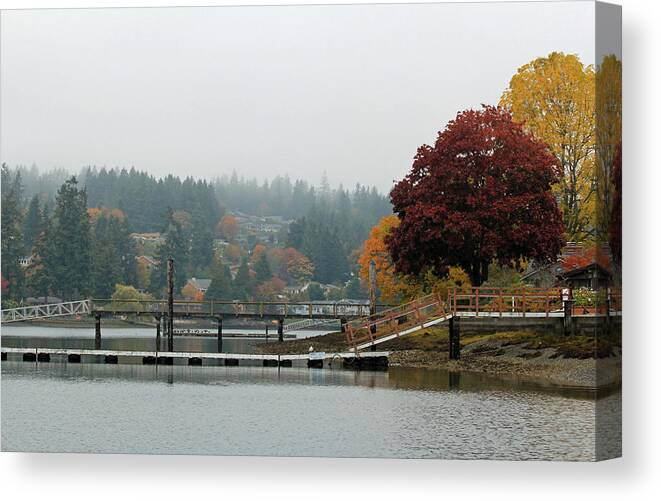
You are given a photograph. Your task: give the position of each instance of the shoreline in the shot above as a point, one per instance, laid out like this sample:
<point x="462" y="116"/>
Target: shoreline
<point x="521" y="355"/>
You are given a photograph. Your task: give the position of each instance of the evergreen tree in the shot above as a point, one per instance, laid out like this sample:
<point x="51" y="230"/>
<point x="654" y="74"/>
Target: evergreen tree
<point x="176" y="247"/>
<point x="242" y="284"/>
<point x="32" y="224"/>
<point x="262" y="269"/>
<point x="221" y="283"/>
<point x="201" y="245"/>
<point x="66" y="253"/>
<point x="353" y="289"/>
<point x="106" y="266"/>
<point x="12" y="241"/>
<point x="113" y="255"/>
<point x="315" y="292"/>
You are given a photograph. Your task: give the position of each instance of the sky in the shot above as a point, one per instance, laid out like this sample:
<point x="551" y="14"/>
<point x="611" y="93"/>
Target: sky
<point x="349" y="90"/>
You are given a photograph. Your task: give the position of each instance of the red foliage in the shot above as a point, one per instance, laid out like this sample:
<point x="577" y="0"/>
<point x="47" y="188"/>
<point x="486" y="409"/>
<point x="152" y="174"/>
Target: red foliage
<point x="615" y="229"/>
<point x="585" y="258"/>
<point x="482" y="192"/>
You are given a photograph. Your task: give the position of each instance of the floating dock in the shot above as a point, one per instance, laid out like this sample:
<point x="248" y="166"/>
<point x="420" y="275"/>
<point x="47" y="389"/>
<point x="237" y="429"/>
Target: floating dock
<point x="362" y="360"/>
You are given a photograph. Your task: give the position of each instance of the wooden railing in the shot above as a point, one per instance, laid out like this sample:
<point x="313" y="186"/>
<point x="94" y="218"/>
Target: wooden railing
<point x="490" y="300"/>
<point x="396" y="319"/>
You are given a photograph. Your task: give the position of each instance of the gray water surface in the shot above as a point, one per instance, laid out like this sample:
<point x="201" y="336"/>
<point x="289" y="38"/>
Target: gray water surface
<point x="402" y="413"/>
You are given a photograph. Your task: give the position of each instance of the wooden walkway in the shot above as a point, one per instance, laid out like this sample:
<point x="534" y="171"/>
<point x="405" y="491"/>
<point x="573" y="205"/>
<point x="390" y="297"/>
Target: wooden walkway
<point x="474" y="302"/>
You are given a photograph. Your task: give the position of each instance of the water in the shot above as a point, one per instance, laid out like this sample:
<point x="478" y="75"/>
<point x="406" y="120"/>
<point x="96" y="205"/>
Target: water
<point x="59" y="407"/>
<point x="133" y="338"/>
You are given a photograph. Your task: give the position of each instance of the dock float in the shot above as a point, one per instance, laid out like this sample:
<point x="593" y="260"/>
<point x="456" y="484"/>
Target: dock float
<point x="349" y="359"/>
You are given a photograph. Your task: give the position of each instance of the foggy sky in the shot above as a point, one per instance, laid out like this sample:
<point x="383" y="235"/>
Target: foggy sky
<point x="352" y="90"/>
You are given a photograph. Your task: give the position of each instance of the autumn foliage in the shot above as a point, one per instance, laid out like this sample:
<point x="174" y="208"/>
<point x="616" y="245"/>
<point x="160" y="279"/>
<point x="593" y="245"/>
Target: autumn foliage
<point x="389" y="283"/>
<point x="615" y="226"/>
<point x="593" y="254"/>
<point x="228" y="227"/>
<point x="481" y="193"/>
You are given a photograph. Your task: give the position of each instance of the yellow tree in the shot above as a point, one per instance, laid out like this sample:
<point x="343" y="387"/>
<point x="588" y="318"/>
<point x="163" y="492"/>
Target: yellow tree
<point x="609" y="136"/>
<point x="554" y="97"/>
<point x="393" y="287"/>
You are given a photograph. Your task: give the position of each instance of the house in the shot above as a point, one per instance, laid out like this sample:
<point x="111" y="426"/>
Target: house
<point x="579" y="265"/>
<point x="592" y="276"/>
<point x="292" y="290"/>
<point x="25" y="261"/>
<point x="148" y="261"/>
<point x="143" y="238"/>
<point x="201" y="285"/>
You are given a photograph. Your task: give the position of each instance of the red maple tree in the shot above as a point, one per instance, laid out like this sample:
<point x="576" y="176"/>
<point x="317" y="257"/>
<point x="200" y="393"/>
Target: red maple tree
<point x="481" y="193"/>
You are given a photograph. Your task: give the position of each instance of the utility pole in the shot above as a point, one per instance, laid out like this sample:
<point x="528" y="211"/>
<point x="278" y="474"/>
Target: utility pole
<point x="170" y="304"/>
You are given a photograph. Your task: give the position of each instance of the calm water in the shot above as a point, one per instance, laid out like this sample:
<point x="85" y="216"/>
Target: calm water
<point x="265" y="411"/>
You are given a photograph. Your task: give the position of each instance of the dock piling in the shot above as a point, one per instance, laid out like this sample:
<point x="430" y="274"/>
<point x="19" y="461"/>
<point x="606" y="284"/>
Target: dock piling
<point x="158" y="333"/>
<point x="455" y="338"/>
<point x="220" y="334"/>
<point x="97" y="332"/>
<point x="281" y="330"/>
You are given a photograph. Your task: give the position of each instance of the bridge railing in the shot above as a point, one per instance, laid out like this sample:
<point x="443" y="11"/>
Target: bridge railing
<point x="230" y="308"/>
<point x="490" y="300"/>
<point x="33" y="312"/>
<point x="394" y="319"/>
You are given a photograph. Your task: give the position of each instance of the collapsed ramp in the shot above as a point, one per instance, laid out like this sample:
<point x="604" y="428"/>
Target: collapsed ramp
<point x="396" y="322"/>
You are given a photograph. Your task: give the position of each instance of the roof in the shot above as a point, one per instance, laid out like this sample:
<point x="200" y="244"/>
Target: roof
<point x="150" y="260"/>
<point x="201" y="283"/>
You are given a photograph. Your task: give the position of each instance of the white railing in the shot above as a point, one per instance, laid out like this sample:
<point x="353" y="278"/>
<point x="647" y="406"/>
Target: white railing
<point x="39" y="311"/>
<point x="308" y="322"/>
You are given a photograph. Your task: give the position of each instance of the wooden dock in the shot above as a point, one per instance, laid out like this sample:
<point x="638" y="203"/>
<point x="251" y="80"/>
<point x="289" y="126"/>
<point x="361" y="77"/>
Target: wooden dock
<point x="366" y="360"/>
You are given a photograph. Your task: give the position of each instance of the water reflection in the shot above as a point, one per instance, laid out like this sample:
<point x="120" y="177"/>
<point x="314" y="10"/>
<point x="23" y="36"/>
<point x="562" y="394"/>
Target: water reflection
<point x="234" y="410"/>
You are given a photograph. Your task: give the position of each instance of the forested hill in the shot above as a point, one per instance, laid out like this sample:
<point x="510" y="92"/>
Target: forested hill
<point x="145" y="199"/>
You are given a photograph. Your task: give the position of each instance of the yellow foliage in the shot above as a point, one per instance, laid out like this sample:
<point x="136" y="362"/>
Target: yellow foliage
<point x="189" y="291"/>
<point x="455" y="277"/>
<point x="609" y="136"/>
<point x="393" y="287"/>
<point x="554" y="98"/>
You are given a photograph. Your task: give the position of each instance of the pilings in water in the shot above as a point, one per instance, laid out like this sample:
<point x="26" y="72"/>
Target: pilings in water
<point x="97" y="332"/>
<point x="220" y="335"/>
<point x="455" y="338"/>
<point x="158" y="332"/>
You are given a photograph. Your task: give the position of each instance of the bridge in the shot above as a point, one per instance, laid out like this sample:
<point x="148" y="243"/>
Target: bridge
<point x="518" y="304"/>
<point x="315" y="313"/>
<point x="364" y="329"/>
<point x="36" y="312"/>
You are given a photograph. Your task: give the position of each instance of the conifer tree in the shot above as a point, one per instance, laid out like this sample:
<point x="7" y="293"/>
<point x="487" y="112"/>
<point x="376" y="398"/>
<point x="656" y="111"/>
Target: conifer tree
<point x="221" y="283"/>
<point x="242" y="284"/>
<point x="262" y="269"/>
<point x="32" y="224"/>
<point x="12" y="241"/>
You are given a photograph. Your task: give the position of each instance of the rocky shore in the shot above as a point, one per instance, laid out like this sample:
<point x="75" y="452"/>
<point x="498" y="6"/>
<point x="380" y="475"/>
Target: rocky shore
<point x="579" y="361"/>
